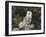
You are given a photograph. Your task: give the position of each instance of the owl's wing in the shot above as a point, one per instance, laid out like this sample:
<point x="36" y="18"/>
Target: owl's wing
<point x="21" y="24"/>
<point x="25" y="21"/>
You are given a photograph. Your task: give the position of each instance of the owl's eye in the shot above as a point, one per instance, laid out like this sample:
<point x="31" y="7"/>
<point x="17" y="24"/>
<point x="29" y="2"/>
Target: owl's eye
<point x="29" y="13"/>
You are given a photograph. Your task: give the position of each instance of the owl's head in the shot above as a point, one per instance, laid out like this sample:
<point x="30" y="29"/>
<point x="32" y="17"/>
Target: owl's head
<point x="29" y="13"/>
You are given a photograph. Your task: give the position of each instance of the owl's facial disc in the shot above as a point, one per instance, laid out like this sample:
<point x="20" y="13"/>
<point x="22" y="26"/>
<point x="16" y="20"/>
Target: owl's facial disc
<point x="29" y="13"/>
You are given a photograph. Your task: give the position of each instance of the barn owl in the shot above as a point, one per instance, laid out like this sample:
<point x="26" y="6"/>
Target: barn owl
<point x="26" y="20"/>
